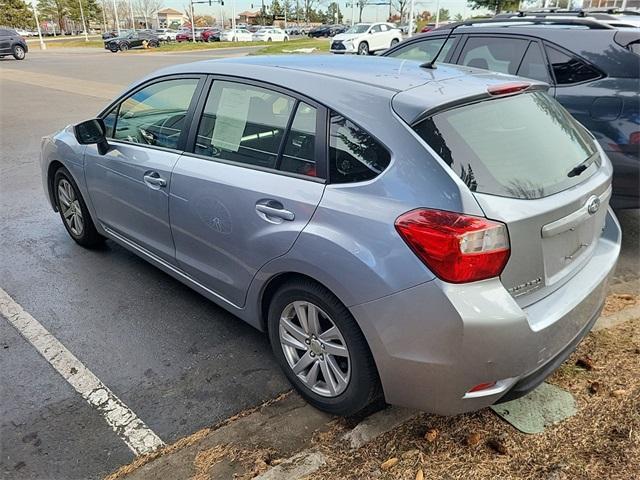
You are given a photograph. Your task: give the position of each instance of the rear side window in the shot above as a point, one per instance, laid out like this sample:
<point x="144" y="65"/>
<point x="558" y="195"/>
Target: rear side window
<point x="497" y="54"/>
<point x="524" y="146"/>
<point x="354" y="155"/>
<point x="569" y="69"/>
<point x="533" y="64"/>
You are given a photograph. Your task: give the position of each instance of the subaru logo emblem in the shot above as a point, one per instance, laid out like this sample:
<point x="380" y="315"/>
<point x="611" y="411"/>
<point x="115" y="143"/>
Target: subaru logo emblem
<point x="593" y="204"/>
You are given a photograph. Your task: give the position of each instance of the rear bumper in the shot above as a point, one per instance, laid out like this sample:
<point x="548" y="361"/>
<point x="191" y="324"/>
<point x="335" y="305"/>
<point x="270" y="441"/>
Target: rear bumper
<point x="434" y="342"/>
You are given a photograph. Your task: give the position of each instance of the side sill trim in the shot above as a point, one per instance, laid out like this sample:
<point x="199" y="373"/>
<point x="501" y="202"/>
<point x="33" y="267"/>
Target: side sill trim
<point x="153" y="258"/>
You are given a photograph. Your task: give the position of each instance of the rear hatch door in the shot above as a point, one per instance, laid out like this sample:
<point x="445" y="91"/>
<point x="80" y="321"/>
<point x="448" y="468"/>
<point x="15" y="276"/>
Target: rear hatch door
<point x="530" y="165"/>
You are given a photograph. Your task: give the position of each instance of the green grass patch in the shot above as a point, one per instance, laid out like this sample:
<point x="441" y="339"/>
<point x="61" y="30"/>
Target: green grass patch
<point x="278" y="48"/>
<point x="74" y="43"/>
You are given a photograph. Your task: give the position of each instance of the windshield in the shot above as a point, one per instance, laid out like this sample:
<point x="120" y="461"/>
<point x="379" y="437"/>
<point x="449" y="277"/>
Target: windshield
<point x="359" y="28"/>
<point x="524" y="146"/>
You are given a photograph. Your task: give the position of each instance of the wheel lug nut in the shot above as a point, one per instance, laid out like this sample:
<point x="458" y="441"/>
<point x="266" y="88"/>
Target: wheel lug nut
<point x="313" y="354"/>
<point x="307" y="341"/>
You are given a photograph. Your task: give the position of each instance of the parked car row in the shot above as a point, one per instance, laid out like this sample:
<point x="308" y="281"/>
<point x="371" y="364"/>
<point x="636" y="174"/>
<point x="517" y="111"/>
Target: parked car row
<point x="366" y="38"/>
<point x="326" y="30"/>
<point x="132" y="39"/>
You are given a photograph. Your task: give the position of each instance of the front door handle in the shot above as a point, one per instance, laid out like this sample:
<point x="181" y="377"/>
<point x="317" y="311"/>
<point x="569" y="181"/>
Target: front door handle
<point x="275" y="209"/>
<point x="154" y="180"/>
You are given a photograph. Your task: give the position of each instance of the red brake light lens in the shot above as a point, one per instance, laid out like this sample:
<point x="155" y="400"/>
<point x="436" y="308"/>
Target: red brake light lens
<point x="507" y="88"/>
<point x="457" y="248"/>
<point x="634" y="138"/>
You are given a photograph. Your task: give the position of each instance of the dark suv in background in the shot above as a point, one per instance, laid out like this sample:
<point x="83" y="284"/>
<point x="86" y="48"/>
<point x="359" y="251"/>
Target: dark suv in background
<point x="12" y="44"/>
<point x="593" y="70"/>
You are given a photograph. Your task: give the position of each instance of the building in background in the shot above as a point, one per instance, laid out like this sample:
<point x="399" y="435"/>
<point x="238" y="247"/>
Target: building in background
<point x="248" y="17"/>
<point x="167" y="16"/>
<point x="619" y="4"/>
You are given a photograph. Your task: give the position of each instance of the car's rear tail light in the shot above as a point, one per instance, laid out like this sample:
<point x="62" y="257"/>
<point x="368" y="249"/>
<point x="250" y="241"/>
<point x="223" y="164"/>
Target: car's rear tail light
<point x="457" y="248"/>
<point x="482" y="386"/>
<point x="634" y="138"/>
<point x="508" y="88"/>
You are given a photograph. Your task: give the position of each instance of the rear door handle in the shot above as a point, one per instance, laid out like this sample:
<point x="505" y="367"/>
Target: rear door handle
<point x="154" y="179"/>
<point x="275" y="209"/>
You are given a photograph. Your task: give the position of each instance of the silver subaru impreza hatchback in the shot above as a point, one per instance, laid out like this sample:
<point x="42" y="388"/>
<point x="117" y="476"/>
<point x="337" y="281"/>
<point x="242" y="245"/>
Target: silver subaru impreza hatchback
<point x="437" y="238"/>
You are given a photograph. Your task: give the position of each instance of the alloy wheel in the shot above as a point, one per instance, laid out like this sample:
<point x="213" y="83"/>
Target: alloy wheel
<point x="18" y="52"/>
<point x="363" y="49"/>
<point x="315" y="349"/>
<point x="70" y="207"/>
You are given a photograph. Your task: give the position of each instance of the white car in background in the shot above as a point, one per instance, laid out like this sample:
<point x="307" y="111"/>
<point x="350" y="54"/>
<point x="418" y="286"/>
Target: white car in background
<point x="166" y="34"/>
<point x="237" y="35"/>
<point x="24" y="33"/>
<point x="270" y="34"/>
<point x="365" y="38"/>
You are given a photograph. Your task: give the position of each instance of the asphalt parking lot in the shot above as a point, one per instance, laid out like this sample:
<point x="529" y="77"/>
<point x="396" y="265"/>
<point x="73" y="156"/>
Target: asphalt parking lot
<point x="178" y="361"/>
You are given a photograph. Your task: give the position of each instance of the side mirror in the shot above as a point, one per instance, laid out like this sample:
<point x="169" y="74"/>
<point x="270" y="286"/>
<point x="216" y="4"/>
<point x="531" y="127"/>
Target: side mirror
<point x="92" y="132"/>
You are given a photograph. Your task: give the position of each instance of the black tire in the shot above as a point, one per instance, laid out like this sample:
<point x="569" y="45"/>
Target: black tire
<point x="89" y="236"/>
<point x="363" y="48"/>
<point x="394" y="42"/>
<point x="124" y="47"/>
<point x="364" y="387"/>
<point x="18" y="52"/>
<point x="268" y="40"/>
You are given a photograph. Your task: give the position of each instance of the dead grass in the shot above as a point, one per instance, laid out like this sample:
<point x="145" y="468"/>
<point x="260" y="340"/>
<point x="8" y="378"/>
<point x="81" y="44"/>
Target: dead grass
<point x="601" y="441"/>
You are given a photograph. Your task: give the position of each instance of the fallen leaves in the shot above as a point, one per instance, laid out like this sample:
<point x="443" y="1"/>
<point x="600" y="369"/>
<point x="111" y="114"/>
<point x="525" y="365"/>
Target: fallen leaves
<point x="619" y="393"/>
<point x="431" y="435"/>
<point x="585" y="362"/>
<point x="390" y="463"/>
<point x="619" y="301"/>
<point x="420" y="475"/>
<point x="594" y="388"/>
<point x="497" y="445"/>
<point x="473" y="439"/>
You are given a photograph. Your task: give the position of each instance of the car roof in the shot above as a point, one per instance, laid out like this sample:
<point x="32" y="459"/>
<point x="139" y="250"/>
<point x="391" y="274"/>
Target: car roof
<point x="596" y="46"/>
<point x="345" y="84"/>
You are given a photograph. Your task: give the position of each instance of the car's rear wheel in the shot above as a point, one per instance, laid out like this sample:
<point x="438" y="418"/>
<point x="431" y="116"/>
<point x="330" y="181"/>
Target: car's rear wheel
<point x="124" y="47"/>
<point x="321" y="350"/>
<point x="268" y="39"/>
<point x="363" y="48"/>
<point x="394" y="42"/>
<point x="18" y="52"/>
<point x="73" y="211"/>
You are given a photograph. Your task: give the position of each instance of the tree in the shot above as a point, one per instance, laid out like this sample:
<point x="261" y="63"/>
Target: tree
<point x="361" y="4"/>
<point x="444" y="15"/>
<point x="400" y="6"/>
<point x="16" y="13"/>
<point x="333" y="10"/>
<point x="458" y="17"/>
<point x="57" y="10"/>
<point x="90" y="9"/>
<point x="276" y="8"/>
<point x="494" y="5"/>
<point x="147" y="9"/>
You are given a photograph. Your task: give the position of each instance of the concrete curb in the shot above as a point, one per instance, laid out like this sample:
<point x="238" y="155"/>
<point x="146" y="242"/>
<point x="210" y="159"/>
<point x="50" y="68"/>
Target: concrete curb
<point x="619" y="317"/>
<point x="377" y="424"/>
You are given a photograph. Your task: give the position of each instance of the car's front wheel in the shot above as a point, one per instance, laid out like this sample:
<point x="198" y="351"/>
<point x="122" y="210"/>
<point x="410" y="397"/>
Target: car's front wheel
<point x="394" y="42"/>
<point x="363" y="48"/>
<point x="321" y="349"/>
<point x="73" y="211"/>
<point x="124" y="47"/>
<point x="18" y="52"/>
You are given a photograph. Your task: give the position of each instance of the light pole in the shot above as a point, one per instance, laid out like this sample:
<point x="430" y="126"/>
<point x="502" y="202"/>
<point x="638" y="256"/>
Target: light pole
<point x="84" y="25"/>
<point x="115" y="17"/>
<point x="437" y="13"/>
<point x="193" y="25"/>
<point x="411" y="8"/>
<point x="43" y="46"/>
<point x="133" y="20"/>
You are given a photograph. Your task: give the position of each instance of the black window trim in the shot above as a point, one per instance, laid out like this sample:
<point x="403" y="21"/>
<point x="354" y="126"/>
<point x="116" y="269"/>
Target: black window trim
<point x="321" y="149"/>
<point x="188" y="117"/>
<point x="547" y="44"/>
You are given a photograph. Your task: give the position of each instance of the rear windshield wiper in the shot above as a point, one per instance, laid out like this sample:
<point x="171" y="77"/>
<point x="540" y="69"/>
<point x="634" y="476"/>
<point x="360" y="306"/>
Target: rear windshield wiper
<point x="581" y="167"/>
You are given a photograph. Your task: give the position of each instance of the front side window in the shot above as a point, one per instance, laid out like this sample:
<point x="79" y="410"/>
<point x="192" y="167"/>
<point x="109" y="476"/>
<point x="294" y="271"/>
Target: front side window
<point x="354" y="155"/>
<point x="568" y="69"/>
<point x="243" y="123"/>
<point x="495" y="54"/>
<point x="525" y="146"/>
<point x="424" y="51"/>
<point x="153" y="115"/>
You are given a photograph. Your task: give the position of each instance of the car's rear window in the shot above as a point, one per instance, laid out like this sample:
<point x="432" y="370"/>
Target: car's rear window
<point x="523" y="146"/>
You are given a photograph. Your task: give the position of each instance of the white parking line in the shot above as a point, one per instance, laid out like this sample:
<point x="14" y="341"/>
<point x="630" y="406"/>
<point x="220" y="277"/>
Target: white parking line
<point x="124" y="422"/>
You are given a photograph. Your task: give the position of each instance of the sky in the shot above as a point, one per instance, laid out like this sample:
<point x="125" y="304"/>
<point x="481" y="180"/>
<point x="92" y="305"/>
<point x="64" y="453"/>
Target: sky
<point x="371" y="12"/>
